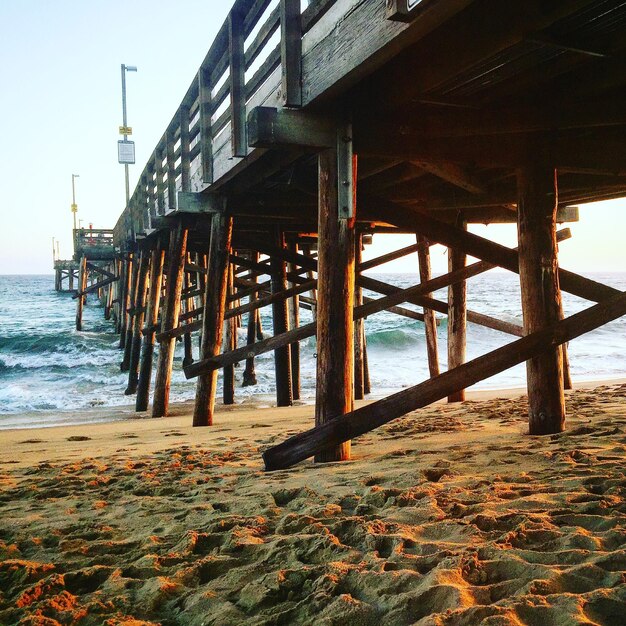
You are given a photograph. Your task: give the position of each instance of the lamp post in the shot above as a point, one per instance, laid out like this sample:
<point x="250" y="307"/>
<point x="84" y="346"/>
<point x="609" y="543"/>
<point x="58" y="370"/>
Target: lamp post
<point x="74" y="205"/>
<point x="124" y="129"/>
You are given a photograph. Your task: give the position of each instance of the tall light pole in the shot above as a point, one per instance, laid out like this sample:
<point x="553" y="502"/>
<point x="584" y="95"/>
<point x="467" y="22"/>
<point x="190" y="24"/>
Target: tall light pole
<point x="74" y="205"/>
<point x="124" y="130"/>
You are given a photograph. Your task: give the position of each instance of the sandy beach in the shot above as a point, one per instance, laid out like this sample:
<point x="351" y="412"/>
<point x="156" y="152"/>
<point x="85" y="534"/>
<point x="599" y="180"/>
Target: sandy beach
<point x="451" y="515"/>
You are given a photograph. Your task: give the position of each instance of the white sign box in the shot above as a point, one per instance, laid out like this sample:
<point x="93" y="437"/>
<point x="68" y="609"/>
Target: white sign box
<point x="125" y="152"/>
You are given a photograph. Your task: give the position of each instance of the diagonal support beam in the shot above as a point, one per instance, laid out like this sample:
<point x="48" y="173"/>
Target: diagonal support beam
<point x="94" y="287"/>
<point x="100" y="270"/>
<point x="479" y="247"/>
<point x="393" y="296"/>
<point x="365" y="419"/>
<point x="375" y="306"/>
<point x="413" y="295"/>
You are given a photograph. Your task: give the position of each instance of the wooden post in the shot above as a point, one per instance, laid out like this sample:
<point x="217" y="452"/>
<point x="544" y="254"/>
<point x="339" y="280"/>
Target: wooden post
<point x="457" y="316"/>
<point x="430" y="323"/>
<point x="151" y="317"/>
<point x="367" y="384"/>
<point x="125" y="300"/>
<point x="567" y="376"/>
<point x="291" y="52"/>
<point x="109" y="298"/>
<point x="237" y="64"/>
<point x="539" y="280"/>
<point x="71" y="279"/>
<point x="213" y="319"/>
<point x="171" y="311"/>
<point x="119" y="290"/>
<point x="228" y="391"/>
<point x="140" y="303"/>
<point x="206" y="138"/>
<point x="131" y="312"/>
<point x="82" y="285"/>
<point x="259" y="327"/>
<point x="249" y="375"/>
<point x="313" y="292"/>
<point x="188" y="358"/>
<point x="282" y="355"/>
<point x="359" y="328"/>
<point x="294" y="322"/>
<point x="202" y="279"/>
<point x="335" y="300"/>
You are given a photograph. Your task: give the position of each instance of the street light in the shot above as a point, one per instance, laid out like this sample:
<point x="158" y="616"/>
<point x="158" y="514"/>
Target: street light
<point x="74" y="205"/>
<point x="125" y="130"/>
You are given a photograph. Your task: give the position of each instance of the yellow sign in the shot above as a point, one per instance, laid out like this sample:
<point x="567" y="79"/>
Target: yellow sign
<point x="74" y="208"/>
<point x="126" y="130"/>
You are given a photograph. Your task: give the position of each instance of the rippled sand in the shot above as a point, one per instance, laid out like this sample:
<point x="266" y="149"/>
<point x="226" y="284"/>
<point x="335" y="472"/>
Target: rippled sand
<point x="449" y="516"/>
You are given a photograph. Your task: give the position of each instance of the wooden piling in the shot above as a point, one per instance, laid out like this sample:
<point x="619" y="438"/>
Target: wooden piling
<point x="430" y="323"/>
<point x="108" y="306"/>
<point x="539" y="280"/>
<point x="228" y="386"/>
<point x="359" y="328"/>
<point x="171" y="311"/>
<point x="201" y="279"/>
<point x="294" y="322"/>
<point x="367" y="384"/>
<point x="82" y="285"/>
<point x="127" y="266"/>
<point x="131" y="311"/>
<point x="313" y="293"/>
<point x="335" y="299"/>
<point x="280" y="323"/>
<point x="249" y="374"/>
<point x="188" y="352"/>
<point x="567" y="376"/>
<point x="138" y="320"/>
<point x="213" y="319"/>
<point x="151" y="317"/>
<point x="457" y="316"/>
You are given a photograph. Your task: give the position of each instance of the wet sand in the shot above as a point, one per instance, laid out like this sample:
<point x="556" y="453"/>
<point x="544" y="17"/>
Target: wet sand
<point x="452" y="515"/>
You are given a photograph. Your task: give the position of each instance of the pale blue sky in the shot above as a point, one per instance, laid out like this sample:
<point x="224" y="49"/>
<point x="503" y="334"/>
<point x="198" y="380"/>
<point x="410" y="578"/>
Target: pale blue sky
<point x="60" y="106"/>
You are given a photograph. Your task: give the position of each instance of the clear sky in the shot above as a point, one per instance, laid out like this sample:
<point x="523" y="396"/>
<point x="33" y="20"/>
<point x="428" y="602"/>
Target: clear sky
<point x="60" y="106"/>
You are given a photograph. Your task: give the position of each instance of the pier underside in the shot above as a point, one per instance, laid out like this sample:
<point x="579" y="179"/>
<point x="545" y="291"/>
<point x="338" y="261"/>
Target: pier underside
<point x="284" y="158"/>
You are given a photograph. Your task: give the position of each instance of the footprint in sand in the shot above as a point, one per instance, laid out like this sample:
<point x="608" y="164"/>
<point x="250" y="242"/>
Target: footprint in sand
<point x="79" y="438"/>
<point x="32" y="441"/>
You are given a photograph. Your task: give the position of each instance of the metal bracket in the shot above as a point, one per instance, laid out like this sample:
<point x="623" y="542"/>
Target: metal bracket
<point x="345" y="179"/>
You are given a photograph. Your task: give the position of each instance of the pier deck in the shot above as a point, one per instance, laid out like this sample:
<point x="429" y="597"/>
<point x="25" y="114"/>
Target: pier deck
<point x="305" y="131"/>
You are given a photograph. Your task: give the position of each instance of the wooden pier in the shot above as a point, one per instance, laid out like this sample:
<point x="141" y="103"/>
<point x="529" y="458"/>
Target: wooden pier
<point x="306" y="132"/>
<point x="65" y="272"/>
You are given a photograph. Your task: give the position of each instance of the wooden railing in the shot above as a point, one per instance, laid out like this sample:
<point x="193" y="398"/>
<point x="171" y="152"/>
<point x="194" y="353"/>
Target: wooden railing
<point x="256" y="53"/>
<point x="93" y="242"/>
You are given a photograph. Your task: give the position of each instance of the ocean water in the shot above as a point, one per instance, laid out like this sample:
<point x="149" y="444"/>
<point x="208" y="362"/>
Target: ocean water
<point x="47" y="368"/>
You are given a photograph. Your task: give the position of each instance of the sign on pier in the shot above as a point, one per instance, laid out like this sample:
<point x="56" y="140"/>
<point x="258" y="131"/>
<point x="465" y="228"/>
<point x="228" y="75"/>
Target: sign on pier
<point x="125" y="151"/>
